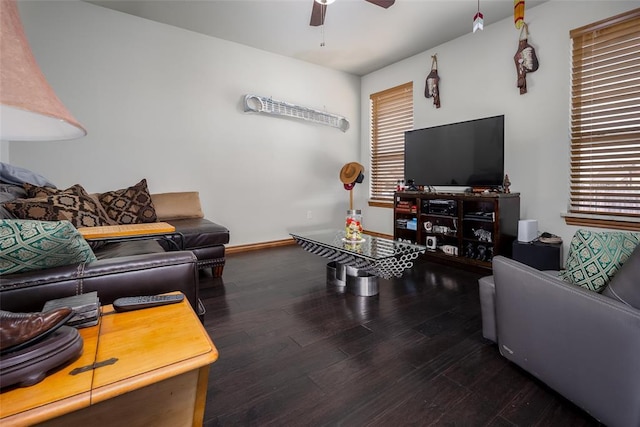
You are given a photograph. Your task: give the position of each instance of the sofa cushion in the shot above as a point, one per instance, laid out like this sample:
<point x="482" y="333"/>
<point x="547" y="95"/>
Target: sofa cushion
<point x="72" y="204"/>
<point x="12" y="191"/>
<point x="9" y="192"/>
<point x="130" y="205"/>
<point x="11" y="174"/>
<point x="200" y="233"/>
<point x="179" y="205"/>
<point x="128" y="248"/>
<point x="595" y="257"/>
<point x="27" y="245"/>
<point x="625" y="285"/>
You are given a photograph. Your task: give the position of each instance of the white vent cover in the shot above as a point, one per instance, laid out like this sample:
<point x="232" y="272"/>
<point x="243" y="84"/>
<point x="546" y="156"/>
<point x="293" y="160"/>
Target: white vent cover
<point x="260" y="104"/>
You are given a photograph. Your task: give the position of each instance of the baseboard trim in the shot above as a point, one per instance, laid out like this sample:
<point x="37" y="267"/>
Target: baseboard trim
<point x="258" y="246"/>
<point x="285" y="242"/>
<point x="376" y="234"/>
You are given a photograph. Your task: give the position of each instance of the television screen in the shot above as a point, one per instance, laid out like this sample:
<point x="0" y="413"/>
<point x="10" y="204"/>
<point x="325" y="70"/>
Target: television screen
<point x="466" y="154"/>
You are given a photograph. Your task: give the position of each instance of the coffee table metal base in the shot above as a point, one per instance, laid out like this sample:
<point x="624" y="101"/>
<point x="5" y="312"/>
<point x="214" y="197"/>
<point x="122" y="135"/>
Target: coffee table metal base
<point x="350" y="279"/>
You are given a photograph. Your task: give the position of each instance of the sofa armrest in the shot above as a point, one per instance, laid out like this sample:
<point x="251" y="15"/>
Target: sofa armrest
<point x="487" y="290"/>
<point x="582" y="344"/>
<point x="146" y="274"/>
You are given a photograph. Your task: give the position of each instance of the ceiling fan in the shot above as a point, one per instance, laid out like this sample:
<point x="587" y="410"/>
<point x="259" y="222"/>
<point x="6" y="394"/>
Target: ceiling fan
<point x="320" y="9"/>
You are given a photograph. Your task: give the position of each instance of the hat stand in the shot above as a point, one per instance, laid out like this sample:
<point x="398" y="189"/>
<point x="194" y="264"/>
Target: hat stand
<point x="350" y="175"/>
<point x="351" y="199"/>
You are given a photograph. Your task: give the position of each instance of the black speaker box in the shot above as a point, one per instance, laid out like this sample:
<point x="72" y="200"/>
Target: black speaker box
<point x="542" y="256"/>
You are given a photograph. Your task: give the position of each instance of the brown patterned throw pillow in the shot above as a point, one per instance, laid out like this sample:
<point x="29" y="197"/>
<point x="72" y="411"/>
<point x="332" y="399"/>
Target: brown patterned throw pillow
<point x="79" y="209"/>
<point x="36" y="192"/>
<point x="131" y="205"/>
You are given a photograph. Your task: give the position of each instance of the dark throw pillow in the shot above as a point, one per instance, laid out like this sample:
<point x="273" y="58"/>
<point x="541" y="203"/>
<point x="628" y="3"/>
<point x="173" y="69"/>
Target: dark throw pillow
<point x="73" y="204"/>
<point x="36" y="192"/>
<point x="131" y="205"/>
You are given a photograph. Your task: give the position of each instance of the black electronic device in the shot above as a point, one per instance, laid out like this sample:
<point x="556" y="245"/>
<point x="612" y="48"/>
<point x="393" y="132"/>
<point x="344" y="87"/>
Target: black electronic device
<point x="468" y="154"/>
<point x="136" y="303"/>
<point x="443" y="207"/>
<point x="542" y="256"/>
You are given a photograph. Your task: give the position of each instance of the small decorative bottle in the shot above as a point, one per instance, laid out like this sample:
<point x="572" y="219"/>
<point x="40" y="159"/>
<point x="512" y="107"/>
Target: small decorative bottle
<point x="353" y="226"/>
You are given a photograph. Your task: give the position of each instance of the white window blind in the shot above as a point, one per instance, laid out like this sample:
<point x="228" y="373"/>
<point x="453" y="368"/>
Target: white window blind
<point x="391" y="117"/>
<point x="605" y="119"/>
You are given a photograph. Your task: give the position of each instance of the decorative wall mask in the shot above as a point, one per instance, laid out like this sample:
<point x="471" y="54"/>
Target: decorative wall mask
<point x="525" y="59"/>
<point x="432" y="88"/>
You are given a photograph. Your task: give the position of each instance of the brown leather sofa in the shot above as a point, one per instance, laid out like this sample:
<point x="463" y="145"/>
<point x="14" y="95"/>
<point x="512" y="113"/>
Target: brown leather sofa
<point x="111" y="276"/>
<point x="204" y="238"/>
<point x="131" y="268"/>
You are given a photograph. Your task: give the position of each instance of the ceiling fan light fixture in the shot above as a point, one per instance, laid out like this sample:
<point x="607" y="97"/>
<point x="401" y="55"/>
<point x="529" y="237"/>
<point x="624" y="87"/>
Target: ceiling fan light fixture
<point x="325" y="2"/>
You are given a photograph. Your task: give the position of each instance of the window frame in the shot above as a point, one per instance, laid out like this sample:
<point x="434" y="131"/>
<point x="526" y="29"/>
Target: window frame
<point x="594" y="132"/>
<point x="390" y="117"/>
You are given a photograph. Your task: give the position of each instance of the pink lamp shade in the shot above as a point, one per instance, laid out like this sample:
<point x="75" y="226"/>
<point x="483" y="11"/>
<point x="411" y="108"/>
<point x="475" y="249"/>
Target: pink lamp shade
<point x="29" y="109"/>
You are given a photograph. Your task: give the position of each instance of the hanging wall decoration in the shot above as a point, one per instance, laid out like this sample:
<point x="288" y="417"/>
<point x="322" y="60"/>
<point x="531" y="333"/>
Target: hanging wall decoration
<point x="518" y="13"/>
<point x="478" y="20"/>
<point x="525" y="59"/>
<point x="432" y="88"/>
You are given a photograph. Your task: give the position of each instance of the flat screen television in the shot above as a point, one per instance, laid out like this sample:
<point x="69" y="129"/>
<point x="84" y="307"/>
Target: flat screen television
<point x="469" y="154"/>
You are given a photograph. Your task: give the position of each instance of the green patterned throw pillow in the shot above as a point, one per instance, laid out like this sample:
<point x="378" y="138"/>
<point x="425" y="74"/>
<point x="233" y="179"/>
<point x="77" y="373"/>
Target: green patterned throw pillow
<point x="594" y="257"/>
<point x="27" y="245"/>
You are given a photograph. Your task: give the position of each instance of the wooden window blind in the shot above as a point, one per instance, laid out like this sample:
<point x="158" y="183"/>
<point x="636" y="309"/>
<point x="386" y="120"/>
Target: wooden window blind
<point x="391" y="117"/>
<point x="605" y="120"/>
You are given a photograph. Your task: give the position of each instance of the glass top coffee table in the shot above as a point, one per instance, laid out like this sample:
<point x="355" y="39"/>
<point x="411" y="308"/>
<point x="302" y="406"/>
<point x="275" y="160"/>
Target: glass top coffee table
<point x="357" y="265"/>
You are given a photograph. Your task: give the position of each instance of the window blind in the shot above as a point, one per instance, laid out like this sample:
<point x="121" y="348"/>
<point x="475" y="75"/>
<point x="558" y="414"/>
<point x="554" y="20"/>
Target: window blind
<point x="605" y="117"/>
<point x="391" y="117"/>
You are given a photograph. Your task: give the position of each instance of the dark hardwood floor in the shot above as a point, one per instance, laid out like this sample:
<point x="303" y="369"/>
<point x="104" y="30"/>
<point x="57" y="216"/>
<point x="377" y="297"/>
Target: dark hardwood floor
<point x="294" y="352"/>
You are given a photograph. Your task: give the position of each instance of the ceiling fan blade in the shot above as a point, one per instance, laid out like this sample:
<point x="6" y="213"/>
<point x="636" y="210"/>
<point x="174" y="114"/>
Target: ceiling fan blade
<point x="317" y="14"/>
<point x="382" y="3"/>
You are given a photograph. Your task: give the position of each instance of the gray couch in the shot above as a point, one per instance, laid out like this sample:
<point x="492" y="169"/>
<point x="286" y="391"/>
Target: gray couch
<point x="583" y="344"/>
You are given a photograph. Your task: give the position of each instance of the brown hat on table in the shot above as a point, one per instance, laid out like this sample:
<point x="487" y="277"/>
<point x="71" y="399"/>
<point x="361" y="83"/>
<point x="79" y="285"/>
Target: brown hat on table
<point x="351" y="172"/>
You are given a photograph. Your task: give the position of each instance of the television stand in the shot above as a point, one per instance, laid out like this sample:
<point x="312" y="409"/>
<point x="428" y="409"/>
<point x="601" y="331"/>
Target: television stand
<point x="460" y="228"/>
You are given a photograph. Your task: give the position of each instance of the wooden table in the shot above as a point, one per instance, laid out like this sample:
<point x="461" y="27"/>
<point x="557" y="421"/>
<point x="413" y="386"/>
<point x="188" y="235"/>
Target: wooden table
<point x="159" y="378"/>
<point x="125" y="230"/>
<point x="128" y="232"/>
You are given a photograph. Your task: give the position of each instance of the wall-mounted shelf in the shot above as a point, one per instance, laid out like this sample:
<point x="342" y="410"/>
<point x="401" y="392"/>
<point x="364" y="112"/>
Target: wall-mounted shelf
<point x="261" y="104"/>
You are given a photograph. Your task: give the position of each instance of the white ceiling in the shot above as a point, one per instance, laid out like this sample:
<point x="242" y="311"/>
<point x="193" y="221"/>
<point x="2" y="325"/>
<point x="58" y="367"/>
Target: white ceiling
<point x="359" y="37"/>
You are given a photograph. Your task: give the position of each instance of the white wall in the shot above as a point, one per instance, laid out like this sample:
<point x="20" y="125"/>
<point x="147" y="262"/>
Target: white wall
<point x="478" y="79"/>
<point x="165" y="104"/>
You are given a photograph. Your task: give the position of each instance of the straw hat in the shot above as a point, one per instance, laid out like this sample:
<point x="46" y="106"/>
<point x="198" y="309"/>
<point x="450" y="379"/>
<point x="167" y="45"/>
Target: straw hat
<point x="351" y="172"/>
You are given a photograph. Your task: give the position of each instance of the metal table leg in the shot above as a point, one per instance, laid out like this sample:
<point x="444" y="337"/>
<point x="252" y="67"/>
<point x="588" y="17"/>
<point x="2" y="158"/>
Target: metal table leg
<point x="355" y="281"/>
<point x="361" y="283"/>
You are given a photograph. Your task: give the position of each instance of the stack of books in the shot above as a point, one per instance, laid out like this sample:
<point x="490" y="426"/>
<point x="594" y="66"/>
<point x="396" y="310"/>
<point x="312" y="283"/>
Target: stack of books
<point x="404" y="206"/>
<point x="86" y="308"/>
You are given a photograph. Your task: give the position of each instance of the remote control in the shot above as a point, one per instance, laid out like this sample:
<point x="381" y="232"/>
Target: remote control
<point x="136" y="303"/>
